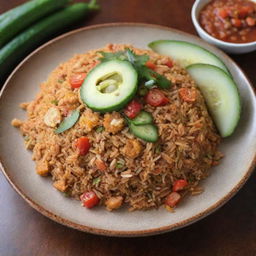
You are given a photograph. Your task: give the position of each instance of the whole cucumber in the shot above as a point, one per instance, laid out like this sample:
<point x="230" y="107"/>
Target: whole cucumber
<point x="25" y="42"/>
<point x="14" y="21"/>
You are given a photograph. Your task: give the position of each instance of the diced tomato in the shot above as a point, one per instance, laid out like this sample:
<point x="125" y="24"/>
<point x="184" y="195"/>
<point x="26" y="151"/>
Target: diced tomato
<point x="100" y="165"/>
<point x="236" y="22"/>
<point x="249" y="9"/>
<point x="150" y="65"/>
<point x="223" y="13"/>
<point x="188" y="95"/>
<point x="169" y="63"/>
<point x="89" y="199"/>
<point x="77" y="80"/>
<point x="156" y="97"/>
<point x="250" y="21"/>
<point x="242" y="12"/>
<point x="83" y="145"/>
<point x="133" y="109"/>
<point x="179" y="185"/>
<point x="173" y="199"/>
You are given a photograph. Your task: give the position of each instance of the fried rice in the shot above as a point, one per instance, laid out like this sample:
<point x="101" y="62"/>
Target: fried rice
<point x="141" y="174"/>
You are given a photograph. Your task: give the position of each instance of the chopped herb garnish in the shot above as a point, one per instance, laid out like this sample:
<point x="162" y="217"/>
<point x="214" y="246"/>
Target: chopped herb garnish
<point x="158" y="149"/>
<point x="149" y="195"/>
<point x="191" y="178"/>
<point x="60" y="81"/>
<point x="26" y="138"/>
<point x="209" y="156"/>
<point x="96" y="181"/>
<point x="138" y="171"/>
<point x="54" y="102"/>
<point x="66" y="194"/>
<point x="138" y="61"/>
<point x="120" y="164"/>
<point x="113" y="56"/>
<point x="100" y="129"/>
<point x="143" y="91"/>
<point x="146" y="74"/>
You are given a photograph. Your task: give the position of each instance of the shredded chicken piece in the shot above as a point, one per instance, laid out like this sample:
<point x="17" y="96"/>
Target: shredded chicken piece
<point x="60" y="185"/>
<point x="114" y="203"/>
<point x="113" y="122"/>
<point x="132" y="148"/>
<point x="52" y="117"/>
<point x="89" y="120"/>
<point x="69" y="98"/>
<point x="16" y="122"/>
<point x="42" y="168"/>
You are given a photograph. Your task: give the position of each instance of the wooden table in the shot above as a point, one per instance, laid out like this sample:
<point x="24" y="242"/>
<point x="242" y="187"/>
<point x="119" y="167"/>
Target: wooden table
<point x="230" y="231"/>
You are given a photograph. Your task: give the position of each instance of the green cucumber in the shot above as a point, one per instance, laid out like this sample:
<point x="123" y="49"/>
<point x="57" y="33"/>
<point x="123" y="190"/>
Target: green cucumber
<point x="21" y="17"/>
<point x="21" y="45"/>
<point x="186" y="53"/>
<point x="68" y="122"/>
<point x="109" y="86"/>
<point x="146" y="132"/>
<point x="221" y="96"/>
<point x="142" y="118"/>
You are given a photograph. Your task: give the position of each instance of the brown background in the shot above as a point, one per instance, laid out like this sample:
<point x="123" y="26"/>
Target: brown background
<point x="229" y="231"/>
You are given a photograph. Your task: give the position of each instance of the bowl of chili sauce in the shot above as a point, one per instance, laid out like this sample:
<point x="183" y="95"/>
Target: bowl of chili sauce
<point x="229" y="24"/>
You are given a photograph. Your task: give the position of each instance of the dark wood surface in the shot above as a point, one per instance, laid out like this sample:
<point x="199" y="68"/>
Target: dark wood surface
<point x="229" y="231"/>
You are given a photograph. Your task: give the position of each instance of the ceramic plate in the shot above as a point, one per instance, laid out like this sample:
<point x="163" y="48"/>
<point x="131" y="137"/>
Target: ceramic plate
<point x="19" y="169"/>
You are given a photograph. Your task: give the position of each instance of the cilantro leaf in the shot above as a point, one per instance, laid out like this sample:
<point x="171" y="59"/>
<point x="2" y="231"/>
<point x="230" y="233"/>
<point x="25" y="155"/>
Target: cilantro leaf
<point x="112" y="56"/>
<point x="138" y="61"/>
<point x="96" y="181"/>
<point x="162" y="81"/>
<point x="148" y="74"/>
<point x="130" y="56"/>
<point x="100" y="129"/>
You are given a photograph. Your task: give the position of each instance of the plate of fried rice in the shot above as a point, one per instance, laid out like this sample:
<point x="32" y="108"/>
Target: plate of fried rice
<point x="114" y="138"/>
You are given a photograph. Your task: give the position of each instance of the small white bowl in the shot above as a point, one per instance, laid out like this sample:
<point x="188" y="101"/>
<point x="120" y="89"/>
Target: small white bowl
<point x="228" y="47"/>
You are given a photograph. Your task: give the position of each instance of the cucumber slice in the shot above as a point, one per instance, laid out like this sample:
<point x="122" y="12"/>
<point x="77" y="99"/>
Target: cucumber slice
<point x="221" y="96"/>
<point x="109" y="86"/>
<point x="186" y="53"/>
<point x="142" y="118"/>
<point x="68" y="122"/>
<point x="23" y="16"/>
<point x="33" y="36"/>
<point x="147" y="132"/>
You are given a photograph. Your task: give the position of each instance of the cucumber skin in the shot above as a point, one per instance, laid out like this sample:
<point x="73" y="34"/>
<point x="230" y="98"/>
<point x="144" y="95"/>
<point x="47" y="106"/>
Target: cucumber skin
<point x="238" y="94"/>
<point x="146" y="138"/>
<point x="25" y="42"/>
<point x="118" y="107"/>
<point x="147" y="120"/>
<point x="115" y="107"/>
<point x="19" y="18"/>
<point x="152" y="44"/>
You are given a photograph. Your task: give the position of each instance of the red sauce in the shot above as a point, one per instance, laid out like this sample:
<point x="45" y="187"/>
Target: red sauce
<point x="230" y="20"/>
